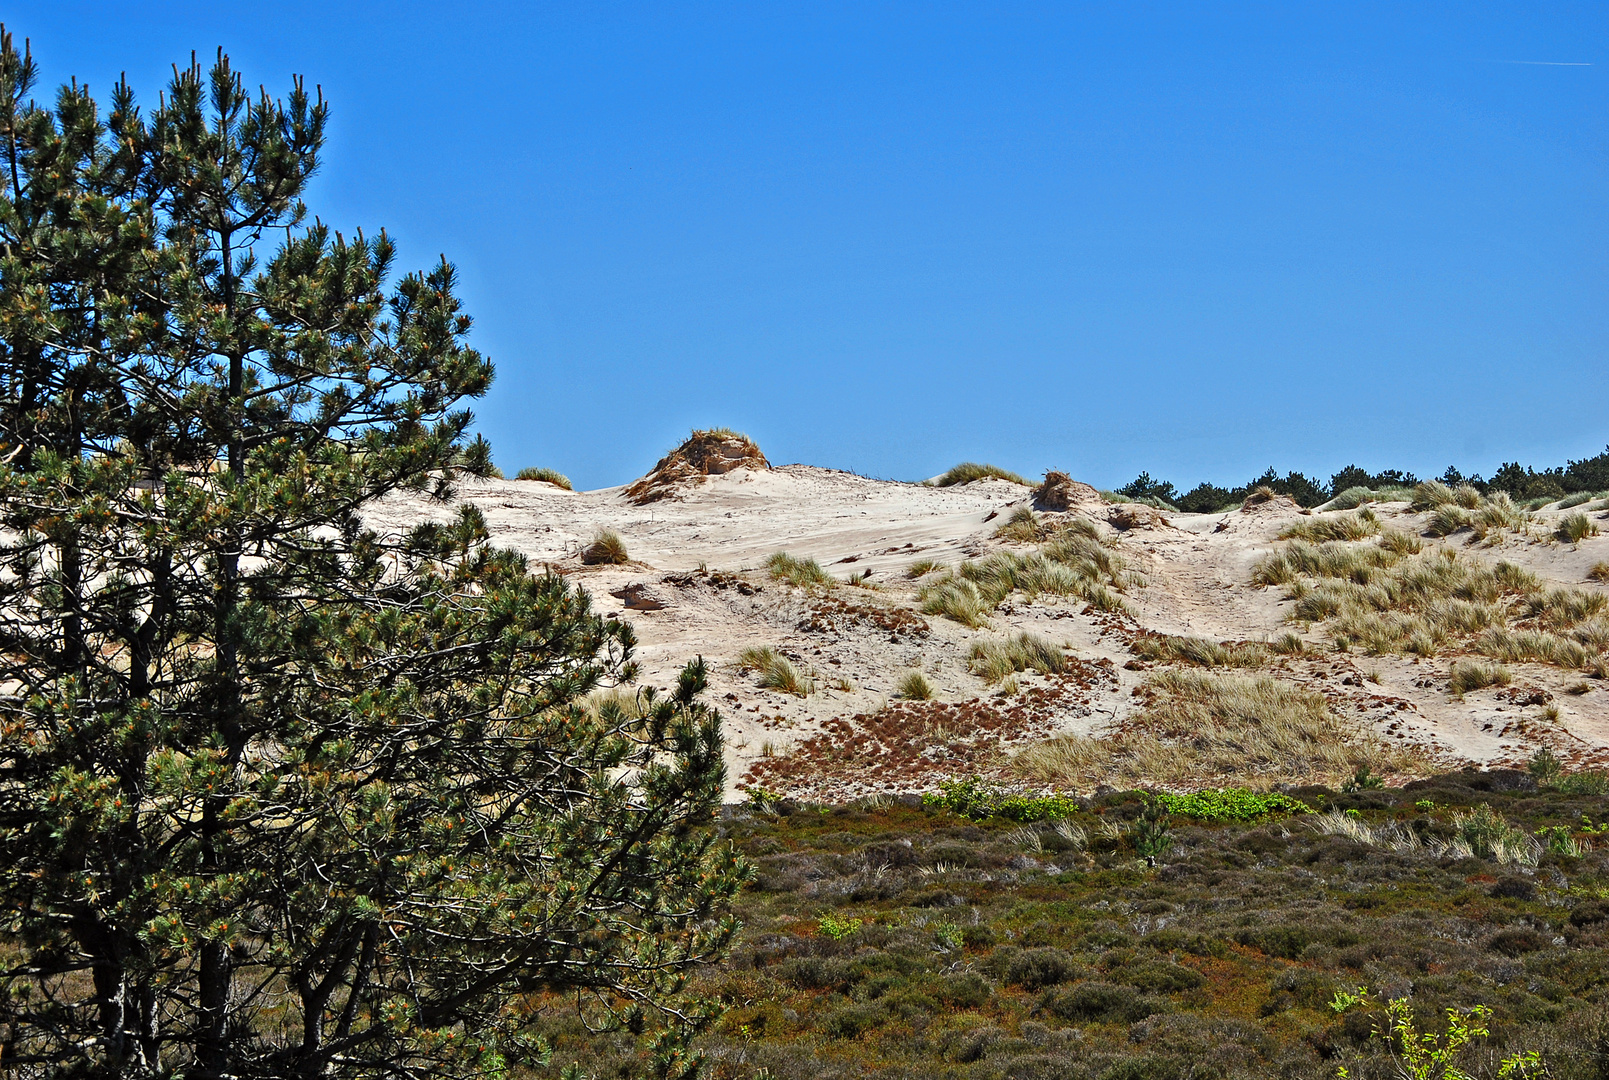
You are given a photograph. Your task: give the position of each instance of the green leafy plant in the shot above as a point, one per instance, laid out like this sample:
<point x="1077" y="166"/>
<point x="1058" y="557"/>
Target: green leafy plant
<point x="1231" y="804"/>
<point x="837" y="929"/>
<point x="1428" y="1054"/>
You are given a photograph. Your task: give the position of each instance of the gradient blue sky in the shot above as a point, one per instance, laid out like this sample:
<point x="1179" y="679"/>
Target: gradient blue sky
<point x="1194" y="239"/>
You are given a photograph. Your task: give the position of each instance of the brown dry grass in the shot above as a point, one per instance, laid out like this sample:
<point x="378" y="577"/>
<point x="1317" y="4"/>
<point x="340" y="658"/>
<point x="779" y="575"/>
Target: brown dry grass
<point x="1199" y="729"/>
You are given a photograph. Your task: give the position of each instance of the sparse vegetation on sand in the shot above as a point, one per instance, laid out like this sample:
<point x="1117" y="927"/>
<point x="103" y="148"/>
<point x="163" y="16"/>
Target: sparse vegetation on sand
<point x="1386" y="597"/>
<point x="802" y="572"/>
<point x="1204" y="729"/>
<point x="776" y="671"/>
<point x="968" y="471"/>
<point x="1599" y="572"/>
<point x="1071" y="562"/>
<point x="922" y="568"/>
<point x="1464" y="507"/>
<point x="606" y="549"/>
<point x="994" y="659"/>
<point x="547" y="476"/>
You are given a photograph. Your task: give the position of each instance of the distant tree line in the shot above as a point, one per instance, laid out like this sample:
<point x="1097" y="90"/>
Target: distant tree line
<point x="1520" y="482"/>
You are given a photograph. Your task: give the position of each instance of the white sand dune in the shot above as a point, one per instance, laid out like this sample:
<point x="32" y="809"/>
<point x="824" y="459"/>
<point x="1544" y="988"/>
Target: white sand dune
<point x="860" y="641"/>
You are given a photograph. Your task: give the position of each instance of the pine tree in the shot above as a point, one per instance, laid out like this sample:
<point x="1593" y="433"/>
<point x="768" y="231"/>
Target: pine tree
<point x="279" y="795"/>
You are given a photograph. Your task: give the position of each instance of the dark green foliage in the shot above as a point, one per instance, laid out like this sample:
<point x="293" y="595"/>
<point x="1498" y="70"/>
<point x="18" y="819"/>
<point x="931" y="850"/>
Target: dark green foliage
<point x="1526" y="483"/>
<point x="1143" y="487"/>
<point x="1352" y="476"/>
<point x="1152" y="833"/>
<point x="1522" y="483"/>
<point x="280" y="795"/>
<point x="1206" y="499"/>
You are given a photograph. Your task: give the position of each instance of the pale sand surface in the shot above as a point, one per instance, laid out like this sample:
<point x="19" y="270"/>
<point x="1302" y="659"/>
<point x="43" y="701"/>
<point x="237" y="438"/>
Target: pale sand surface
<point x="1197" y="569"/>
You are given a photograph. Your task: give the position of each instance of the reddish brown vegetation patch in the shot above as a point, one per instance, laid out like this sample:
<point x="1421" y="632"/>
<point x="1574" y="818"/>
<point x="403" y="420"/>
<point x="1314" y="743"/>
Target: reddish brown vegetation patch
<point x="834" y="616"/>
<point x="910" y="745"/>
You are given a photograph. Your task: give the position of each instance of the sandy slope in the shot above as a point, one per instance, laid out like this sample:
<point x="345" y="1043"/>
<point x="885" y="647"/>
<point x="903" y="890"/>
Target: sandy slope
<point x="861" y="641"/>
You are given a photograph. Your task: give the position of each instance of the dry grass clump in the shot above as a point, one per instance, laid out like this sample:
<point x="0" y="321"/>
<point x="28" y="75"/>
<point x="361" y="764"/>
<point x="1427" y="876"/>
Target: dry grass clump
<point x="994" y="660"/>
<point x="547" y="476"/>
<point x="957" y="599"/>
<point x="913" y="686"/>
<point x="1470" y="675"/>
<point x="922" y="568"/>
<point x="1574" y="528"/>
<point x="1332" y="559"/>
<point x="1021" y="528"/>
<point x="1202" y="652"/>
<point x="776" y="671"/>
<point x="606" y="549"/>
<point x="1199" y="729"/>
<point x="802" y="572"/>
<point x="1540" y="646"/>
<point x="1599" y="572"/>
<point x="968" y="471"/>
<point x="1359" y="526"/>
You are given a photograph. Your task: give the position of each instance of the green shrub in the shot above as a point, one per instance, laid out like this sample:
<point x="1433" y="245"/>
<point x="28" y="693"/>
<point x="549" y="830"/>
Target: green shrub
<point x="976" y="800"/>
<point x="550" y="476"/>
<point x="1151" y="833"/>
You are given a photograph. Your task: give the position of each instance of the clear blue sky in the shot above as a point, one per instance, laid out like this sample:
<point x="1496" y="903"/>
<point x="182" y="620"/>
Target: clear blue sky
<point x="1197" y="239"/>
